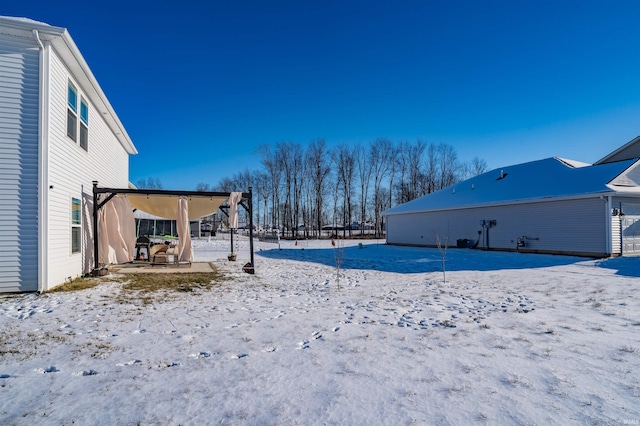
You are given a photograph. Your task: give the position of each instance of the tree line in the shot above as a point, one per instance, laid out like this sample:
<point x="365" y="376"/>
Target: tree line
<point x="302" y="189"/>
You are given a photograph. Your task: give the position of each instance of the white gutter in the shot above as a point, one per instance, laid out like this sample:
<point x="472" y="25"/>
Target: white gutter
<point x="43" y="165"/>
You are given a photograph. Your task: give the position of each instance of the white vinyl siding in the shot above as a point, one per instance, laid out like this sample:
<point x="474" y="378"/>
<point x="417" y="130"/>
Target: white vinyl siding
<point x="616" y="236"/>
<point x="19" y="77"/>
<point x="569" y="226"/>
<point x="106" y="161"/>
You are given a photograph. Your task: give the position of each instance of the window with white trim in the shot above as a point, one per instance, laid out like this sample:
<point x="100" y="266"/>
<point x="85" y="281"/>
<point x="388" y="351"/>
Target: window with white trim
<point x="76" y="224"/>
<point x="72" y="111"/>
<point x="84" y="124"/>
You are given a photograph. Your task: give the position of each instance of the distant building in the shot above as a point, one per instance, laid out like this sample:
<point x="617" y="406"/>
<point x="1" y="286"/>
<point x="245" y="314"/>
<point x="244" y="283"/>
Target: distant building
<point x="158" y="228"/>
<point x="58" y="133"/>
<point x="548" y="206"/>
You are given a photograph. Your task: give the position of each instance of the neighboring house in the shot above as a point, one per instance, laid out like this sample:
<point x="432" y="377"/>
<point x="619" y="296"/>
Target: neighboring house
<point x="549" y="206"/>
<point x="155" y="227"/>
<point x="58" y="133"/>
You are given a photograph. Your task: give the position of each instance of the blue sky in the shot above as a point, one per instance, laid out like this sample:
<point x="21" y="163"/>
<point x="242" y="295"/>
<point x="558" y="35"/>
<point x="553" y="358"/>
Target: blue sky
<point x="199" y="85"/>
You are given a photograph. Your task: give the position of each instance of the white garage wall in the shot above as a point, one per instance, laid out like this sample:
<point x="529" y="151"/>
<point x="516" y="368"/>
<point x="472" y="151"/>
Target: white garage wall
<point x="571" y="226"/>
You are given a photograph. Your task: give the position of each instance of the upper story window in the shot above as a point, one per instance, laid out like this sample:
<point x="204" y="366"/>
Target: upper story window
<point x="72" y="97"/>
<point x="72" y="111"/>
<point x="84" y="124"/>
<point x="84" y="111"/>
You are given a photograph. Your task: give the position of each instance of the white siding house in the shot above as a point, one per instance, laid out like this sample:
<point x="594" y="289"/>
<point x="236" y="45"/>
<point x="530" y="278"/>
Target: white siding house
<point x="58" y="133"/>
<point x="549" y="206"/>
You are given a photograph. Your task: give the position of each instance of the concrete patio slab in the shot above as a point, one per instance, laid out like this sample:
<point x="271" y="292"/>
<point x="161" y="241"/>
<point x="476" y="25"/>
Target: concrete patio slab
<point x="146" y="268"/>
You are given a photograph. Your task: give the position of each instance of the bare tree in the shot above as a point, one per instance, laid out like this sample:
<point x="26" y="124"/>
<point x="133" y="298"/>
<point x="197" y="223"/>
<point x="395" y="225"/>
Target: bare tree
<point x="293" y="184"/>
<point x="261" y="193"/>
<point x="416" y="154"/>
<point x="448" y="162"/>
<point x="381" y="152"/>
<point x="364" y="176"/>
<point x="298" y="168"/>
<point x="150" y="183"/>
<point x="478" y="166"/>
<point x="283" y="155"/>
<point x="319" y="172"/>
<point x="430" y="171"/>
<point x="344" y="159"/>
<point x="226" y="185"/>
<point x="270" y="163"/>
<point x="202" y="187"/>
<point x="393" y="166"/>
<point x="402" y="170"/>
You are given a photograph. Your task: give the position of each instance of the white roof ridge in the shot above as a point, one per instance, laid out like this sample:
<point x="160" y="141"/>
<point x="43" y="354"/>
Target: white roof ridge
<point x="572" y="163"/>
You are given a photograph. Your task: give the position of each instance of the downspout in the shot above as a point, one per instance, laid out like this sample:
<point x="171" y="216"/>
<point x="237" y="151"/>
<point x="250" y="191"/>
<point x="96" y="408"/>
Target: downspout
<point x="608" y="227"/>
<point x="96" y="252"/>
<point x="43" y="165"/>
<point x="251" y="225"/>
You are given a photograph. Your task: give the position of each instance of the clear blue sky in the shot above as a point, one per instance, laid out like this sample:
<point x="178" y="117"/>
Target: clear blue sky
<point x="199" y="85"/>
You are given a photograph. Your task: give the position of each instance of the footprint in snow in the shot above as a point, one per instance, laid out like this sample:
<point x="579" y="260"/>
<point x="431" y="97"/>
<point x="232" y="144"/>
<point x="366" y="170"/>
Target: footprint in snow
<point x="239" y="356"/>
<point x="135" y="361"/>
<point x="269" y="349"/>
<point x="140" y="331"/>
<point x="51" y="369"/>
<point x="4" y="376"/>
<point x="86" y="373"/>
<point x="303" y="345"/>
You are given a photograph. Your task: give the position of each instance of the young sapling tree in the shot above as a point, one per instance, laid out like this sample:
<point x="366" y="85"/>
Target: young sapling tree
<point x="338" y="256"/>
<point x="443" y="245"/>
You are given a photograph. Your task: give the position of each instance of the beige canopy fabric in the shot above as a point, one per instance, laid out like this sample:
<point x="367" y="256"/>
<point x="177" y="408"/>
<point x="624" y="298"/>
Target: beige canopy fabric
<point x="87" y="232"/>
<point x="166" y="205"/>
<point x="117" y="230"/>
<point x="234" y="199"/>
<point x="185" y="251"/>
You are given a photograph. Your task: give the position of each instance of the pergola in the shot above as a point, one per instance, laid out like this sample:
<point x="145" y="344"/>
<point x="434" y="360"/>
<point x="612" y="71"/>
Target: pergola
<point x="164" y="203"/>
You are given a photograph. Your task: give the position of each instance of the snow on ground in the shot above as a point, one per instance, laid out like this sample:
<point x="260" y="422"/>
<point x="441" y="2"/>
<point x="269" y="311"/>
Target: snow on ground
<point x="509" y="339"/>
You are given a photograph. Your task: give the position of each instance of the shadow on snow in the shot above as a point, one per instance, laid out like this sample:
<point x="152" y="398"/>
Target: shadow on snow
<point x="409" y="260"/>
<point x="627" y="266"/>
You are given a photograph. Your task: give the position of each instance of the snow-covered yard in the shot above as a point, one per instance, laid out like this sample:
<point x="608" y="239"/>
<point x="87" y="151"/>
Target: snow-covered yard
<point x="508" y="339"/>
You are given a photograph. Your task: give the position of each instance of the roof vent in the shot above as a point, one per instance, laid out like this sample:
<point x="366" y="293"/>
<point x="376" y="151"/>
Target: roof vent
<point x="502" y="175"/>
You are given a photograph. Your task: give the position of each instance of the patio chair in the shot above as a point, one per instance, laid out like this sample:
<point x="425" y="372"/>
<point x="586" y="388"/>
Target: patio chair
<point x="174" y="253"/>
<point x="158" y="253"/>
